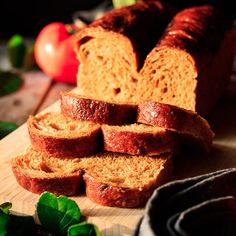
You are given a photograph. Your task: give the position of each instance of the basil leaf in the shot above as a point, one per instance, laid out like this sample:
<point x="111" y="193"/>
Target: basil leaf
<point x="3" y="222"/>
<point x="122" y="3"/>
<point x="83" y="229"/>
<point x="6" y="128"/>
<point x="5" y="207"/>
<point x="16" y="50"/>
<point x="57" y="213"/>
<point x="21" y="226"/>
<point x="9" y="82"/>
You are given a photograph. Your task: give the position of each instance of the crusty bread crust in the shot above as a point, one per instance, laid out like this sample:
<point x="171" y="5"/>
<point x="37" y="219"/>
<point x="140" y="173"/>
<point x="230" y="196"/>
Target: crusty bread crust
<point x="58" y="184"/>
<point x="80" y="144"/>
<point x="87" y="109"/>
<point x="117" y="196"/>
<point x="193" y="128"/>
<point x="139" y="141"/>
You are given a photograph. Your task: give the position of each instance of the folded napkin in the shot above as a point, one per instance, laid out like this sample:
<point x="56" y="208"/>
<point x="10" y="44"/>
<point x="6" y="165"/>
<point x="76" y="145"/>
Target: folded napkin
<point x="202" y="205"/>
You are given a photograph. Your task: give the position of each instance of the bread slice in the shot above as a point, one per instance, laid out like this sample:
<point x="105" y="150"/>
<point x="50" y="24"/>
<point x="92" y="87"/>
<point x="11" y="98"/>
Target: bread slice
<point x="113" y="48"/>
<point x="111" y="179"/>
<point x="62" y="136"/>
<point x="99" y="111"/>
<point x="38" y="172"/>
<point x="191" y="65"/>
<point x="190" y="126"/>
<point x="138" y="139"/>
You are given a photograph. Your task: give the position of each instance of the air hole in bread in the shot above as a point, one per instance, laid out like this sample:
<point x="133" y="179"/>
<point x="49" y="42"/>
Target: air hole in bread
<point x="116" y="91"/>
<point x="55" y="126"/>
<point x="164" y="90"/>
<point x="100" y="58"/>
<point x="134" y="80"/>
<point x="84" y="40"/>
<point x="45" y="168"/>
<point x="153" y="72"/>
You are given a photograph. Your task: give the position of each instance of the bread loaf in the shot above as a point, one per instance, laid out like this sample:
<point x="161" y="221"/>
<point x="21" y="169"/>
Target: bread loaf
<point x="62" y="136"/>
<point x="138" y="139"/>
<point x="111" y="179"/>
<point x="190" y="126"/>
<point x="112" y="49"/>
<point x="189" y="66"/>
<point x="99" y="111"/>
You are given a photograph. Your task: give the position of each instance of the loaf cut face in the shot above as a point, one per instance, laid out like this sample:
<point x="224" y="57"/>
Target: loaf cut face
<point x="190" y="66"/>
<point x="138" y="139"/>
<point x="127" y="56"/>
<point x="111" y="179"/>
<point x="189" y="126"/>
<point x="98" y="111"/>
<point x="58" y="135"/>
<point x="112" y="49"/>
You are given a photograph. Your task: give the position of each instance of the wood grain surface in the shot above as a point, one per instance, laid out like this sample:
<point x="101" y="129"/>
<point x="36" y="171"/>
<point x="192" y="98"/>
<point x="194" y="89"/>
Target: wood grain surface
<point x="116" y="221"/>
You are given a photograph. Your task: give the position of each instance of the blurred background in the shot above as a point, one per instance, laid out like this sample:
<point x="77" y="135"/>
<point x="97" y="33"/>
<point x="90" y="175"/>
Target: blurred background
<point x="28" y="17"/>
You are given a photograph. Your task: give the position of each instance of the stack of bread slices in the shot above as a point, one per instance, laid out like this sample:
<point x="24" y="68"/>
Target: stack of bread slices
<point x="122" y="152"/>
<point x="172" y="65"/>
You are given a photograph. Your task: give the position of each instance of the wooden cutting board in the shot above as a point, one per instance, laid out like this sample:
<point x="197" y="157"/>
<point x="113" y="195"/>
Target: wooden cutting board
<point x="116" y="221"/>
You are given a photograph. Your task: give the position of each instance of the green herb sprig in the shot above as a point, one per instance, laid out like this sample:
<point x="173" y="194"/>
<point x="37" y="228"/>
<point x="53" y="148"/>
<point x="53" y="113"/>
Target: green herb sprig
<point x="59" y="216"/>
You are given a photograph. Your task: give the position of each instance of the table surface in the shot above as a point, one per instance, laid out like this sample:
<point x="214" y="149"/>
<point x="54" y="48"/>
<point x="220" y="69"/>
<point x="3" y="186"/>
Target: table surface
<point x="111" y="221"/>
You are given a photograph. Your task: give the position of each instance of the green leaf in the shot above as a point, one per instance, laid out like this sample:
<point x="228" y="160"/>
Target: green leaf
<point x="6" y="128"/>
<point x="5" y="207"/>
<point x="3" y="222"/>
<point x="9" y="82"/>
<point x="122" y="3"/>
<point x="83" y="229"/>
<point x="57" y="213"/>
<point x="16" y="50"/>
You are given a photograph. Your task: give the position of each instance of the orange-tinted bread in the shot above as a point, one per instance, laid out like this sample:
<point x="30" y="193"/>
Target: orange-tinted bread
<point x="62" y="136"/>
<point x="189" y="125"/>
<point x="189" y="66"/>
<point x="111" y="179"/>
<point x="99" y="111"/>
<point x="138" y="139"/>
<point x="38" y="172"/>
<point x="112" y="49"/>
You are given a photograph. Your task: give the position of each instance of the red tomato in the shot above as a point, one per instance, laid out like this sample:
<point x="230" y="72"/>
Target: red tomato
<point x="54" y="53"/>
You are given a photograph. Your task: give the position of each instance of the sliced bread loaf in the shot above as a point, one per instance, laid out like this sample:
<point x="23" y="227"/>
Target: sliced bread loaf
<point x="112" y="49"/>
<point x="123" y="58"/>
<point x="187" y="124"/>
<point x="62" y="136"/>
<point x="190" y="66"/>
<point x="111" y="179"/>
<point x="99" y="111"/>
<point x="138" y="139"/>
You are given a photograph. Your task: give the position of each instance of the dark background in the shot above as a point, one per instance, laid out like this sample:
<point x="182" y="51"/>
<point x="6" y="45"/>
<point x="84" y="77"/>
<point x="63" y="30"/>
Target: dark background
<point x="28" y="17"/>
